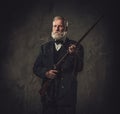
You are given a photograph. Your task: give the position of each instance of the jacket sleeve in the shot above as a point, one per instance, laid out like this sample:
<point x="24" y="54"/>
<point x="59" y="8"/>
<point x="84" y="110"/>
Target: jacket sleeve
<point x="39" y="69"/>
<point x="79" y="58"/>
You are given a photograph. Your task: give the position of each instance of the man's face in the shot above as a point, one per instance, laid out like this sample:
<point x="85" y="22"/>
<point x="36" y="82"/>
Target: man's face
<point x="58" y="29"/>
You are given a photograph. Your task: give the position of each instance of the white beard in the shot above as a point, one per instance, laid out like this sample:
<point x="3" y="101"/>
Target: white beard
<point x="58" y="35"/>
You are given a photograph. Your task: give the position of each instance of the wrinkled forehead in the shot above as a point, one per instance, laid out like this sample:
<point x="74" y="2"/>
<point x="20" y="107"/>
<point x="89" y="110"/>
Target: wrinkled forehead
<point x="58" y="21"/>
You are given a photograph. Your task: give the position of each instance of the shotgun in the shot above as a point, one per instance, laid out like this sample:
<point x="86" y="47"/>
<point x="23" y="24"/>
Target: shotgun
<point x="46" y="84"/>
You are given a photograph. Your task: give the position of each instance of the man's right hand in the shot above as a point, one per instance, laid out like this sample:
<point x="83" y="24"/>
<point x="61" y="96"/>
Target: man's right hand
<point x="51" y="74"/>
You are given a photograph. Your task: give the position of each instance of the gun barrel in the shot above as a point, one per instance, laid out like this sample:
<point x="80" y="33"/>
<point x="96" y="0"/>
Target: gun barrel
<point x="89" y="29"/>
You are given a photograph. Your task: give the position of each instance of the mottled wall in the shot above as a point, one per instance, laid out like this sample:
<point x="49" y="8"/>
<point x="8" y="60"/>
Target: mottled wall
<point x="27" y="25"/>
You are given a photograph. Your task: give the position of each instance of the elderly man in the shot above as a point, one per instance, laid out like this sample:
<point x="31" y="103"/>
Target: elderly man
<point x="60" y="97"/>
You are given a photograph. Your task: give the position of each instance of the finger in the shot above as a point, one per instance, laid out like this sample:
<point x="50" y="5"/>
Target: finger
<point x="55" y="71"/>
<point x="71" y="49"/>
<point x="53" y="74"/>
<point x="73" y="46"/>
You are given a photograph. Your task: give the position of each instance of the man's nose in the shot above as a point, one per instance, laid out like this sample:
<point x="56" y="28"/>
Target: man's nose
<point x="57" y="28"/>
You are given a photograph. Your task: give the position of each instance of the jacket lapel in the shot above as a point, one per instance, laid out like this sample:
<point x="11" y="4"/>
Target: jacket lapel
<point x="51" y="53"/>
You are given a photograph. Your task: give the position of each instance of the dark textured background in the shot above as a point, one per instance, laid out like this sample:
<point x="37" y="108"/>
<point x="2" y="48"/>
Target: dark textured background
<point x="25" y="25"/>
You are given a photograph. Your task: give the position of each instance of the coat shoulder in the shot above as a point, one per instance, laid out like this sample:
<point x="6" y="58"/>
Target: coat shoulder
<point x="47" y="45"/>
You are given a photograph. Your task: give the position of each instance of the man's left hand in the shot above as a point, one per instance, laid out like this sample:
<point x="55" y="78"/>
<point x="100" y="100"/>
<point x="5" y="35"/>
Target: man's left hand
<point x="72" y="48"/>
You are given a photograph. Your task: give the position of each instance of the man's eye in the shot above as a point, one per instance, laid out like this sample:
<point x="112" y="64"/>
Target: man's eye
<point x="61" y="26"/>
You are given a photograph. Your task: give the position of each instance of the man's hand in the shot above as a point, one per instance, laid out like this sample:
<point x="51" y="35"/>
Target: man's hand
<point x="72" y="48"/>
<point x="51" y="74"/>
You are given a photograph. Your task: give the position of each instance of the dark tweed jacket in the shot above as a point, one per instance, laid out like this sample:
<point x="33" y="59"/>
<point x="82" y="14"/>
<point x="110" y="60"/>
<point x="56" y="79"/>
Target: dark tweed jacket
<point x="65" y="83"/>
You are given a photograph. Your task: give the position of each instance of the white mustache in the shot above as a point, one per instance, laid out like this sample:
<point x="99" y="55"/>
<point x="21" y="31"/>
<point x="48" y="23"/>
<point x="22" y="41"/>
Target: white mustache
<point x="57" y="32"/>
<point x="58" y="35"/>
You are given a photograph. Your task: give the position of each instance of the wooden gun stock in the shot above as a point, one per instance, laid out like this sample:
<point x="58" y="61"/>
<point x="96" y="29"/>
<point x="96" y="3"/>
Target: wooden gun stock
<point x="44" y="88"/>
